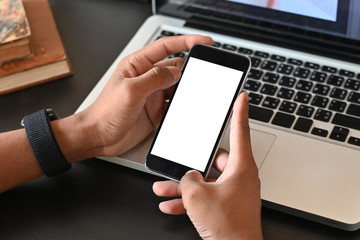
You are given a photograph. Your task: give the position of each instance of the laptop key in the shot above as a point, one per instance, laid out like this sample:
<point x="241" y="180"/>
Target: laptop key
<point x="255" y="98"/>
<point x="278" y="58"/>
<point x="229" y="47"/>
<point x="255" y="62"/>
<point x="352" y="84"/>
<point x="283" y="119"/>
<point x="252" y="85"/>
<point x="354" y="97"/>
<point x="245" y="51"/>
<point x="261" y="54"/>
<point x="319" y="132"/>
<point x="269" y="65"/>
<point x="329" y="69"/>
<point x="346" y="73"/>
<point x="346" y="121"/>
<point x="339" y="134"/>
<point x="294" y="61"/>
<point x="312" y="65"/>
<point x="354" y="110"/>
<point x="358" y="76"/>
<point x="302" y="97"/>
<point x="259" y="113"/>
<point x="338" y="106"/>
<point x="304" y="85"/>
<point x="287" y="81"/>
<point x="286" y="93"/>
<point x="303" y="124"/>
<point x="335" y="80"/>
<point x="167" y="33"/>
<point x="320" y="101"/>
<point x="301" y="72"/>
<point x="255" y="74"/>
<point x="269" y="89"/>
<point x="321" y="89"/>
<point x="271" y="77"/>
<point x="338" y="93"/>
<point x="285" y="69"/>
<point x="216" y="44"/>
<point x="271" y="102"/>
<point x="318" y="76"/>
<point x="354" y="141"/>
<point x="288" y="107"/>
<point x="305" y="111"/>
<point x="323" y="115"/>
<point x="182" y="55"/>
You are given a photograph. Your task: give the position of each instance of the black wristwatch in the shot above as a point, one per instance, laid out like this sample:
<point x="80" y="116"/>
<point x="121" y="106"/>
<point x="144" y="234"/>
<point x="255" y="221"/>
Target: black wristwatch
<point x="43" y="143"/>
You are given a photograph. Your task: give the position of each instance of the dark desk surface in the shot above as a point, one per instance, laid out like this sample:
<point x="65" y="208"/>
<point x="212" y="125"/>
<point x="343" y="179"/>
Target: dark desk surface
<point x="97" y="199"/>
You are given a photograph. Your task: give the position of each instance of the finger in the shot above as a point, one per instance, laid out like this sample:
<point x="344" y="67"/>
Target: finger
<point x="190" y="179"/>
<point x="157" y="78"/>
<point x="144" y="59"/>
<point x="176" y="62"/>
<point x="240" y="144"/>
<point x="173" y="207"/>
<point x="166" y="189"/>
<point x="221" y="159"/>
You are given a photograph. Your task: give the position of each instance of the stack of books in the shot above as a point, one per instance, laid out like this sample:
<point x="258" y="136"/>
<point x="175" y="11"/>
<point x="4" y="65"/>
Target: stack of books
<point x="31" y="50"/>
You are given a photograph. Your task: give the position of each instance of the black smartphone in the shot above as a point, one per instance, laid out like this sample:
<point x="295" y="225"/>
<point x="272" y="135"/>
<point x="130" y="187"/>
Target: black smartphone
<point x="198" y="112"/>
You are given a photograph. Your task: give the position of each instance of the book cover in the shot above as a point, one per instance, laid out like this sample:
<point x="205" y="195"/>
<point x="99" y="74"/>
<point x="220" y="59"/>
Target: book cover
<point x="49" y="60"/>
<point x="14" y="31"/>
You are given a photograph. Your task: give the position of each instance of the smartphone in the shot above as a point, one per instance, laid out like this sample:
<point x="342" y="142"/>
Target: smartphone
<point x="198" y="112"/>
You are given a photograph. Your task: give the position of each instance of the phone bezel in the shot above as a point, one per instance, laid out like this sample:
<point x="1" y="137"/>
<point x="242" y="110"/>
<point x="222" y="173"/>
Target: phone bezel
<point x="176" y="171"/>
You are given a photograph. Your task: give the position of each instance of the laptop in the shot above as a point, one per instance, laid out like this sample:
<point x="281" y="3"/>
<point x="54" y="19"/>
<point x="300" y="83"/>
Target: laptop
<point x="303" y="89"/>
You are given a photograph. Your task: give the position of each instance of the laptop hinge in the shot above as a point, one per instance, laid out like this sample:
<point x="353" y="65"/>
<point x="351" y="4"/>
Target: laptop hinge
<point x="303" y="41"/>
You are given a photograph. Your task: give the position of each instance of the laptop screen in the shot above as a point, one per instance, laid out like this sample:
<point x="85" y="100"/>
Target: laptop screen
<point x="333" y="17"/>
<point x="339" y="18"/>
<point x="318" y="25"/>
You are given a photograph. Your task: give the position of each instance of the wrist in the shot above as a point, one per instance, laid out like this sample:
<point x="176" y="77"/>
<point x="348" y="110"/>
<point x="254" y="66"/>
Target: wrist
<point x="74" y="135"/>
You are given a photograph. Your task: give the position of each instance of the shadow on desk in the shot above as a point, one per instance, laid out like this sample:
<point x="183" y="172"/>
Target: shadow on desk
<point x="95" y="200"/>
<point x="101" y="200"/>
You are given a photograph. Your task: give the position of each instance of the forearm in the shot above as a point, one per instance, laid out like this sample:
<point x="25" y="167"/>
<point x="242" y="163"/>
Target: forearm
<point x="18" y="163"/>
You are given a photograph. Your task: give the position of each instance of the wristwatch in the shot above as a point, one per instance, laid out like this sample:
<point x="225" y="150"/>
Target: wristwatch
<point x="43" y="143"/>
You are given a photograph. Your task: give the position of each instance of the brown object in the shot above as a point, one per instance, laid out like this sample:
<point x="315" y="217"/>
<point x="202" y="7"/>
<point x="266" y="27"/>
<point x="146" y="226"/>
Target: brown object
<point x="15" y="50"/>
<point x="49" y="61"/>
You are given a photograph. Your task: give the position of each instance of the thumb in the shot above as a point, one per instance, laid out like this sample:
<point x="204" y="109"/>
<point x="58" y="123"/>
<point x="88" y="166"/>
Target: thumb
<point x="189" y="180"/>
<point x="240" y="155"/>
<point x="157" y="78"/>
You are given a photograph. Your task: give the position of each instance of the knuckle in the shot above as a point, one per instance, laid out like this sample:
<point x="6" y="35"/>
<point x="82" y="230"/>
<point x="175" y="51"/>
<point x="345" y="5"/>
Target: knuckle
<point x="160" y="73"/>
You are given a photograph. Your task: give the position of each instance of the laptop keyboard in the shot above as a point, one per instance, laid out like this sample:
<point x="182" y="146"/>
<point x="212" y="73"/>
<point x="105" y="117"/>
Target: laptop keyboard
<point x="296" y="94"/>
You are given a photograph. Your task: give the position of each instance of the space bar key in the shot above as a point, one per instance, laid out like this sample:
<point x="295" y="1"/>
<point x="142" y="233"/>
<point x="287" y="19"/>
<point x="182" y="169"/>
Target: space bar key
<point x="261" y="114"/>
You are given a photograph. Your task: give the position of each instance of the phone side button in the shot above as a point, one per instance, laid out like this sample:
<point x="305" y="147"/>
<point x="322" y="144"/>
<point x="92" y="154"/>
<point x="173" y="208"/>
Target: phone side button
<point x="259" y="113"/>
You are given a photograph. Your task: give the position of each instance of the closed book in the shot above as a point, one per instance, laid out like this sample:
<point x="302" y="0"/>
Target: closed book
<point x="49" y="60"/>
<point x="15" y="31"/>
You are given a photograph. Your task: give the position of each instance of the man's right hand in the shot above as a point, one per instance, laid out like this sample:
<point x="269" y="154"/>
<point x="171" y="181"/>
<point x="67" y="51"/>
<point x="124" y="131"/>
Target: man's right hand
<point x="230" y="206"/>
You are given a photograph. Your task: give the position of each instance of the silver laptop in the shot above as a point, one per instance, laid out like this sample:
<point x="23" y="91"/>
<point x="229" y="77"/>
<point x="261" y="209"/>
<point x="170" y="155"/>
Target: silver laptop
<point x="304" y="95"/>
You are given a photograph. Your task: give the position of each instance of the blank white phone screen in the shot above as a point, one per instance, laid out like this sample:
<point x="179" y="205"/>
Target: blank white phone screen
<point x="197" y="113"/>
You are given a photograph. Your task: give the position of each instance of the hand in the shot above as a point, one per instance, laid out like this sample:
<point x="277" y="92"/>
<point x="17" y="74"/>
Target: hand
<point x="133" y="101"/>
<point x="230" y="206"/>
<point x="127" y="110"/>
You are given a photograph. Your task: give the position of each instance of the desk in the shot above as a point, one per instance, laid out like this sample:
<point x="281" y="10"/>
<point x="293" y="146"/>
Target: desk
<point x="97" y="199"/>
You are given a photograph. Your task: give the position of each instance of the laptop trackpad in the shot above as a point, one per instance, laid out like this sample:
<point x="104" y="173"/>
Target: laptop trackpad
<point x="261" y="143"/>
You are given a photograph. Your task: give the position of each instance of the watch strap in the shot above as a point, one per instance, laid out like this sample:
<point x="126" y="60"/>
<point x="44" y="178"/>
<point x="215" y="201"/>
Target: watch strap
<point x="43" y="143"/>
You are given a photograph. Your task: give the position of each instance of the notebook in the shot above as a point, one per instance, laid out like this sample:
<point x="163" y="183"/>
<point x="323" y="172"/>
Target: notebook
<point x="303" y="89"/>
